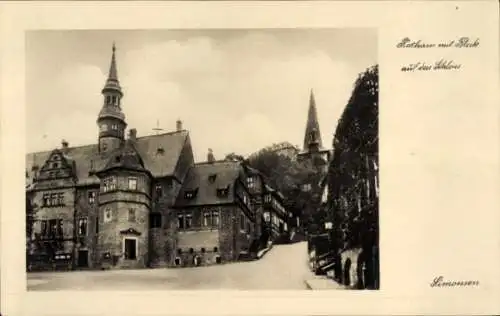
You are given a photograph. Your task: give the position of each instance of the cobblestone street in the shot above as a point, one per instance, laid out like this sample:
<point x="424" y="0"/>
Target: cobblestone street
<point x="284" y="267"/>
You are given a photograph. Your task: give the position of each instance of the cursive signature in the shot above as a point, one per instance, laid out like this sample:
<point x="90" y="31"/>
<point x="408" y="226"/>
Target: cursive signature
<point x="441" y="282"/>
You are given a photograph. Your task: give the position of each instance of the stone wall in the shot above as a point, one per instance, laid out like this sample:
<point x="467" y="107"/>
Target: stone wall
<point x="84" y="209"/>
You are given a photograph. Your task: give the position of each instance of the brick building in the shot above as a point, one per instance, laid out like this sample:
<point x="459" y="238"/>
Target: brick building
<point x="134" y="202"/>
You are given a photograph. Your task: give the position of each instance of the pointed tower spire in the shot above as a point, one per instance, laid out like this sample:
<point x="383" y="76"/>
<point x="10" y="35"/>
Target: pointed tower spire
<point x="312" y="137"/>
<point x="112" y="83"/>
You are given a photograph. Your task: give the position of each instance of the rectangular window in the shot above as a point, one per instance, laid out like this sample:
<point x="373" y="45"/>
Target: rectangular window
<point x="52" y="228"/>
<point x="46" y="199"/>
<point x="211" y="178"/>
<point x="82" y="226"/>
<point x="60" y="232"/>
<point x="215" y="218"/>
<point x="155" y="220"/>
<point x="60" y="198"/>
<point x="266" y="217"/>
<point x="53" y="199"/>
<point x="131" y="215"/>
<point x="91" y="196"/>
<point x="44" y="230"/>
<point x="132" y="184"/>
<point x="306" y="187"/>
<point x="267" y="198"/>
<point x="189" y="220"/>
<point x="207" y="218"/>
<point x="250" y="182"/>
<point x="158" y="190"/>
<point x="108" y="99"/>
<point x="180" y="221"/>
<point x="111" y="184"/>
<point x="107" y="215"/>
<point x="242" y="222"/>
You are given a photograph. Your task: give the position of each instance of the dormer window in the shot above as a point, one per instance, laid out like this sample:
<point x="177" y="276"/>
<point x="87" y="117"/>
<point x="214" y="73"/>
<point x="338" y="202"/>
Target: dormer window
<point x="158" y="190"/>
<point x="267" y="198"/>
<point x="55" y="165"/>
<point x="211" y="178"/>
<point x="306" y="187"/>
<point x="190" y="194"/>
<point x="251" y="182"/>
<point x="223" y="192"/>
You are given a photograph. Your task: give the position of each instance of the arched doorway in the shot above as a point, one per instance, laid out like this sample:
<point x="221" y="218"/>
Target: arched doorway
<point x="347" y="272"/>
<point x="360" y="272"/>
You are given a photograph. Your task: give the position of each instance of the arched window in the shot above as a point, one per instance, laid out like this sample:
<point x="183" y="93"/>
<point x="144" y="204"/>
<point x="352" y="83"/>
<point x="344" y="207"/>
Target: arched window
<point x="197" y="261"/>
<point x="178" y="261"/>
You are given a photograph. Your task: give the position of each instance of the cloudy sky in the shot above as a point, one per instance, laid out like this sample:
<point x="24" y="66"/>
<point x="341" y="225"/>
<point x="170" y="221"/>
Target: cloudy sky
<point x="234" y="90"/>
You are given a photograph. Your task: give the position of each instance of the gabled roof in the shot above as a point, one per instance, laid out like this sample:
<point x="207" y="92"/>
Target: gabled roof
<point x="226" y="173"/>
<point x="87" y="157"/>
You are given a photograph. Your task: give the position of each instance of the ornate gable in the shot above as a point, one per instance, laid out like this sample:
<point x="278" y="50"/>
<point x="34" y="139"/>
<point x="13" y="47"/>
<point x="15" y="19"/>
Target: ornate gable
<point x="57" y="166"/>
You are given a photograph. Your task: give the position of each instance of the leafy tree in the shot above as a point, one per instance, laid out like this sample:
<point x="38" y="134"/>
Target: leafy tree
<point x="355" y="150"/>
<point x="287" y="175"/>
<point x="234" y="157"/>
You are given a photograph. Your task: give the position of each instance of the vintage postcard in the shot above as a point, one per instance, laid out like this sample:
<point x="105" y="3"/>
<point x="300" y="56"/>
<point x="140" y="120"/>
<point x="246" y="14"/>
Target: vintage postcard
<point x="294" y="158"/>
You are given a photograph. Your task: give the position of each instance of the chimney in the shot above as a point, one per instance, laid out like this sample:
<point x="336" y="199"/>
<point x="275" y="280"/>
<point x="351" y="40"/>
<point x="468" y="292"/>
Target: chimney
<point x="132" y="134"/>
<point x="65" y="146"/>
<point x="210" y="156"/>
<point x="178" y="125"/>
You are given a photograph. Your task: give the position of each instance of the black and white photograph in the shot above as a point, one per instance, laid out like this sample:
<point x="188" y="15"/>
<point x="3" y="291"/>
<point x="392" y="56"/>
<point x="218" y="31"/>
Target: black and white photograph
<point x="202" y="159"/>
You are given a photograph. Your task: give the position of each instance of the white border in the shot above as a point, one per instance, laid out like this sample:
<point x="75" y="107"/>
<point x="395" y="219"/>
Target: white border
<point x="403" y="290"/>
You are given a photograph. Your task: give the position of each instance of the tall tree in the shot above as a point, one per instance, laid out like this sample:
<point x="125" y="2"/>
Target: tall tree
<point x="353" y="174"/>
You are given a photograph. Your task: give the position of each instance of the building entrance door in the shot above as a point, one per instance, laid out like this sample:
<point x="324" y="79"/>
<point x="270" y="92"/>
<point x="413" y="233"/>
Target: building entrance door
<point x="83" y="258"/>
<point x="130" y="249"/>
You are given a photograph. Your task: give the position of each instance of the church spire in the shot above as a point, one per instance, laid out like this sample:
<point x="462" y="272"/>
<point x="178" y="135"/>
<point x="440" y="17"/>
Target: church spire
<point x="112" y="83"/>
<point x="312" y="138"/>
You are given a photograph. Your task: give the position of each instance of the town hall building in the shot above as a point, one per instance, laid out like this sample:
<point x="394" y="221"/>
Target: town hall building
<point x="136" y="202"/>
